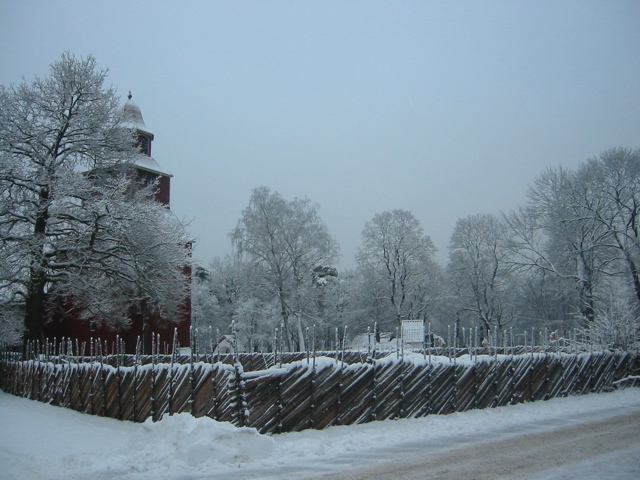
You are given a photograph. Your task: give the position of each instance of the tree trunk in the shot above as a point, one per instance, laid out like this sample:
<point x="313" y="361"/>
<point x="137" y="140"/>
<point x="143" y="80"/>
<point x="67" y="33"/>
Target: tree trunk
<point x="147" y="340"/>
<point x="35" y="306"/>
<point x="588" y="302"/>
<point x="286" y="332"/>
<point x="285" y="319"/>
<point x="635" y="275"/>
<point x="301" y="339"/>
<point x="36" y="294"/>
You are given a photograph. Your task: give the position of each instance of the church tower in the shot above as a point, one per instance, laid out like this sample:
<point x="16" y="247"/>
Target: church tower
<point x="146" y="323"/>
<point x="147" y="167"/>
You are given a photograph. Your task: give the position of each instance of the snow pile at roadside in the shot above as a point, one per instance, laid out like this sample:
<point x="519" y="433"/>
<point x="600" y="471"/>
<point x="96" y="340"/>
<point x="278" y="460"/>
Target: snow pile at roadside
<point x="183" y="441"/>
<point x="39" y="441"/>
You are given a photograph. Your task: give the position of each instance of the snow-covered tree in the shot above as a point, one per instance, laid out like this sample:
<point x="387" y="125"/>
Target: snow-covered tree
<point x="397" y="266"/>
<point x="481" y="271"/>
<point x="76" y="229"/>
<point x="612" y="200"/>
<point x="616" y="324"/>
<point x="135" y="252"/>
<point x="285" y="241"/>
<point x="546" y="300"/>
<point x="226" y="291"/>
<point x="255" y="321"/>
<point x="581" y="227"/>
<point x="556" y="233"/>
<point x="204" y="304"/>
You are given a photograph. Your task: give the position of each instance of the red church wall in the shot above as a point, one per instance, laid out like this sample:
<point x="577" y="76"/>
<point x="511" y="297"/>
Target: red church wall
<point x="163" y="194"/>
<point x="69" y="325"/>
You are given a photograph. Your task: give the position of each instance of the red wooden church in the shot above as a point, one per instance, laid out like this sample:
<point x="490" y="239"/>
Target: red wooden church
<point x="145" y="322"/>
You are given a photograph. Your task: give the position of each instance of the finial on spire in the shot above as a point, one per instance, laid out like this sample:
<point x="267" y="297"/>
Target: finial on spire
<point x="129" y="96"/>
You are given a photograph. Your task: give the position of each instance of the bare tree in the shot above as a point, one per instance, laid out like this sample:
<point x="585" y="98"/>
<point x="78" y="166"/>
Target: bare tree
<point x="481" y="270"/>
<point x="74" y="225"/>
<point x="287" y="240"/>
<point x="546" y="300"/>
<point x="615" y="325"/>
<point x="612" y="200"/>
<point x="396" y="262"/>
<point x="555" y="232"/>
<point x="582" y="227"/>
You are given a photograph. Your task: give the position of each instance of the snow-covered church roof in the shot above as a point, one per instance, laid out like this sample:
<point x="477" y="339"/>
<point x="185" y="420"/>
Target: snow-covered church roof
<point x="148" y="163"/>
<point x="134" y="119"/>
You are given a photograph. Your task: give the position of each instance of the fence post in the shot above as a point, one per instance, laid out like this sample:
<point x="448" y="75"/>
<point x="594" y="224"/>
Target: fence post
<point x="170" y="373"/>
<point x="103" y="378"/>
<point x="474" y="366"/>
<point x="279" y="406"/>
<point x="243" y="413"/>
<point x="312" y="393"/>
<point x="401" y="389"/>
<point x="306" y="342"/>
<point x="214" y="385"/>
<point x="494" y="380"/>
<point x="336" y="420"/>
<point x="314" y="345"/>
<point x="192" y="380"/>
<point x="375" y="340"/>
<point x="546" y="377"/>
<point x="118" y="379"/>
<point x="275" y="347"/>
<point x="430" y="373"/>
<point x="512" y="373"/>
<point x="374" y="390"/>
<point x="592" y="369"/>
<point x="217" y="344"/>
<point x="136" y="364"/>
<point x="531" y="372"/>
<point x="454" y="378"/>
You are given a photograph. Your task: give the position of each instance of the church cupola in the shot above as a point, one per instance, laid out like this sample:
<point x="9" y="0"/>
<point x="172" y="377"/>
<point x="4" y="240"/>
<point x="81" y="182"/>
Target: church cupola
<point x="148" y="169"/>
<point x="133" y="119"/>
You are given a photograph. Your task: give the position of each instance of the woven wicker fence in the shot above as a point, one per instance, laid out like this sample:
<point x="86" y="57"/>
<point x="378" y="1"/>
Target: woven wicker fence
<point x="302" y="392"/>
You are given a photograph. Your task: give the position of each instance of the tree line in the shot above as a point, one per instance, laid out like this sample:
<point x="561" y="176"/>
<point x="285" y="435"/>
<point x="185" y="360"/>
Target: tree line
<point x="81" y="235"/>
<point x="566" y="259"/>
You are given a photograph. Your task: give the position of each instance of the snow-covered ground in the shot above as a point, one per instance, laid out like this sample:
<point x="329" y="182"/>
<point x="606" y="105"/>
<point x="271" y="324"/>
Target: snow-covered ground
<point x="39" y="441"/>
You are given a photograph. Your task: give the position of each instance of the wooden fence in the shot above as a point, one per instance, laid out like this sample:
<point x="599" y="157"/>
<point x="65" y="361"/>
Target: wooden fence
<point x="301" y="392"/>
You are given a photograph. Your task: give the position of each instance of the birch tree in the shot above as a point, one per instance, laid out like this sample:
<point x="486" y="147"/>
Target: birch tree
<point x="481" y="270"/>
<point x="287" y="240"/>
<point x="396" y="261"/>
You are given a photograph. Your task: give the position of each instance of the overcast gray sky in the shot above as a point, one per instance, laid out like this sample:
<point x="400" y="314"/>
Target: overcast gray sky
<point x="445" y="109"/>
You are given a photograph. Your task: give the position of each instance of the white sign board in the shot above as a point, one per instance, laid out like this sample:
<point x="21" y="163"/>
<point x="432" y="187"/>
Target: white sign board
<point x="413" y="331"/>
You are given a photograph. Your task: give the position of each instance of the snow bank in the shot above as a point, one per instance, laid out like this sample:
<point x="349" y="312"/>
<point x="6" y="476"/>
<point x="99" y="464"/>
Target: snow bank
<point x="40" y="441"/>
<point x="181" y="442"/>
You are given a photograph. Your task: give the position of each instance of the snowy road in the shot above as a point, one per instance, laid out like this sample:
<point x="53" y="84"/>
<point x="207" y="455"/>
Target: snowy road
<point x="577" y="438"/>
<point x="585" y="450"/>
